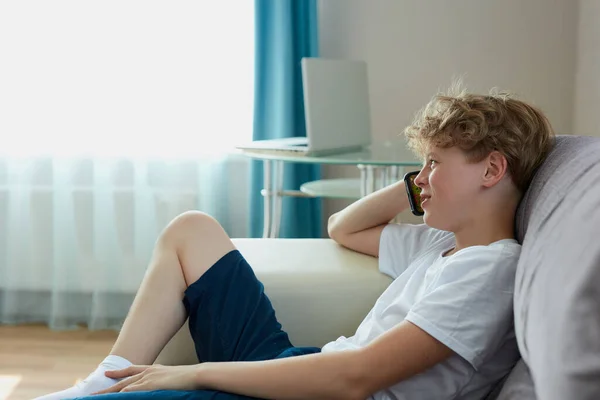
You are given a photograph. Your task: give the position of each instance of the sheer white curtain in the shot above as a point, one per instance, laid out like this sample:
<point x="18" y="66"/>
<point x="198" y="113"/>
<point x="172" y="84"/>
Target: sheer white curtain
<point x="115" y="116"/>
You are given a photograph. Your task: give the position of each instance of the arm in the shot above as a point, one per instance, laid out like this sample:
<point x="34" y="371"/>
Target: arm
<point x="399" y="354"/>
<point x="359" y="225"/>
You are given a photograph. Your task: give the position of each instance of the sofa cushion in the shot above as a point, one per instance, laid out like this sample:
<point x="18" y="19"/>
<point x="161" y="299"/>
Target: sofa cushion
<point x="557" y="289"/>
<point x="319" y="289"/>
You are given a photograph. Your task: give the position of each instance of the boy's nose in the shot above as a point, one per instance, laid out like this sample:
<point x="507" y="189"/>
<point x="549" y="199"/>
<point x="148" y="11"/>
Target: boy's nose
<point x="420" y="179"/>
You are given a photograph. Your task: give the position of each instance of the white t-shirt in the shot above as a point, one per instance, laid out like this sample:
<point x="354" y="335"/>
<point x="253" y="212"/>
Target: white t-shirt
<point x="464" y="300"/>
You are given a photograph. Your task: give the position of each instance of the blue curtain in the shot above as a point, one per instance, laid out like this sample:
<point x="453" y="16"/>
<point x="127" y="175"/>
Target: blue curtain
<point x="285" y="32"/>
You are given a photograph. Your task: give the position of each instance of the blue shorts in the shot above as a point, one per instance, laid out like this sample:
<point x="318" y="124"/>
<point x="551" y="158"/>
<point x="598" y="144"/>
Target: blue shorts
<point x="230" y="319"/>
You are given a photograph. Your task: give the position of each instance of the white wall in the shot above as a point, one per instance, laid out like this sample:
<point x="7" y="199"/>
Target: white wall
<point x="415" y="48"/>
<point x="587" y="82"/>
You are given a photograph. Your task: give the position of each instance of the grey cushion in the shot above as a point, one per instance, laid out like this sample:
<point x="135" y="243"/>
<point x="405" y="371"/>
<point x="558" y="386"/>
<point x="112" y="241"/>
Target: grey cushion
<point x="518" y="386"/>
<point x="557" y="289"/>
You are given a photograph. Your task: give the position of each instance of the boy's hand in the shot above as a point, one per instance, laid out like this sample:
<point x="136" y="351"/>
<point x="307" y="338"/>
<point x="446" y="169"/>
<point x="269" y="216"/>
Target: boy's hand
<point x="153" y="377"/>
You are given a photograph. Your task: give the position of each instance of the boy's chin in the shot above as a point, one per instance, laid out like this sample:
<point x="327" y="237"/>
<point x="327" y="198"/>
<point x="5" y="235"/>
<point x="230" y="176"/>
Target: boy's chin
<point x="428" y="220"/>
<point x="432" y="223"/>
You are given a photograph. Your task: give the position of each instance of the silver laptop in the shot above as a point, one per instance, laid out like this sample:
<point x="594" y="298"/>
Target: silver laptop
<point x="337" y="112"/>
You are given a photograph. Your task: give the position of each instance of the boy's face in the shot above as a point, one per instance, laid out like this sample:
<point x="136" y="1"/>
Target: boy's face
<point x="450" y="188"/>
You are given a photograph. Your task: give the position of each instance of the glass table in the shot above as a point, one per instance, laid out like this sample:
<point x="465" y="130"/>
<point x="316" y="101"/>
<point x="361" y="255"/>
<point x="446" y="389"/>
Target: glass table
<point x="379" y="165"/>
<point x="334" y="188"/>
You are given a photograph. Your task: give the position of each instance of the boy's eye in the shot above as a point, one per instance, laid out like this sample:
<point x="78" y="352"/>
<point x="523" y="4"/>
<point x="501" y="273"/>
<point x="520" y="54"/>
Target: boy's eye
<point x="432" y="163"/>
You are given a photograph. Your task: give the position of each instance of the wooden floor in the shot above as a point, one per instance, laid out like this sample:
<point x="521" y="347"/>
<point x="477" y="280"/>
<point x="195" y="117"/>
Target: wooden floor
<point x="35" y="360"/>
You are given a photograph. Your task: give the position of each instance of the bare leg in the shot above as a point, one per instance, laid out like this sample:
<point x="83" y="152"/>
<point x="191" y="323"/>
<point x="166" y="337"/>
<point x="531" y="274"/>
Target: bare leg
<point x="188" y="246"/>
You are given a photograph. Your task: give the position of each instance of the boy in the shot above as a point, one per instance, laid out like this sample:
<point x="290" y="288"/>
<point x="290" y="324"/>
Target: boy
<point x="441" y="330"/>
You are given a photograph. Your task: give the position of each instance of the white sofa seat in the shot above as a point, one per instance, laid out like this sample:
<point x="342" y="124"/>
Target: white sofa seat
<point x="319" y="290"/>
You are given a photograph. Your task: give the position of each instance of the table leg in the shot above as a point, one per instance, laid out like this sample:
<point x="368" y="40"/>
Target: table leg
<point x="395" y="173"/>
<point x="384" y="177"/>
<point x="371" y="179"/>
<point x="363" y="180"/>
<point x="267" y="209"/>
<point x="277" y="198"/>
<point x="398" y="175"/>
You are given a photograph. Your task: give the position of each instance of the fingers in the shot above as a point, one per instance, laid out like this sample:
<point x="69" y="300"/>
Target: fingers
<point x="129" y="371"/>
<point x="121" y="385"/>
<point x="138" y="387"/>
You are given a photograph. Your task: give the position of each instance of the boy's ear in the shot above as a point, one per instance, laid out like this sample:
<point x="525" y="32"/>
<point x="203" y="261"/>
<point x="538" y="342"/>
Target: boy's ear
<point x="496" y="167"/>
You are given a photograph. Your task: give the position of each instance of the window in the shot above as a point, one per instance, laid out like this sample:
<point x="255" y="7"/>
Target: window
<point x="125" y="78"/>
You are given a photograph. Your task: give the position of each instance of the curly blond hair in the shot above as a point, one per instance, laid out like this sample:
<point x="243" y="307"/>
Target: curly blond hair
<point x="480" y="124"/>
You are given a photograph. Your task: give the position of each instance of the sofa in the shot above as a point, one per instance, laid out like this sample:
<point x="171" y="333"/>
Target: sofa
<point x="321" y="290"/>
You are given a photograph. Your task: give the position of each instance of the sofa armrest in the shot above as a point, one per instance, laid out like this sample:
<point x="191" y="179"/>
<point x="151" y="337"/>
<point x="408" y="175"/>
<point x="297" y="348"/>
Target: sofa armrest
<point x="319" y="290"/>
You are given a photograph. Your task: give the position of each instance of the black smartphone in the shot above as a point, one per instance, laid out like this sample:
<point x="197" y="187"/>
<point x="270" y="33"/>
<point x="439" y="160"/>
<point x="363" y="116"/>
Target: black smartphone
<point x="413" y="192"/>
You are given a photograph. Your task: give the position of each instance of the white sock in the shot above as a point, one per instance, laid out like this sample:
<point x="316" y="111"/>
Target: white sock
<point x="94" y="382"/>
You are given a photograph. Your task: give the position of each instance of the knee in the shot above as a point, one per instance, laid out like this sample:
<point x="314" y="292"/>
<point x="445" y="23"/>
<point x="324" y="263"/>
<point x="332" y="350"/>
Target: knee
<point x="193" y="219"/>
<point x="191" y="225"/>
